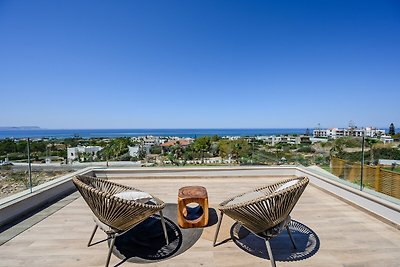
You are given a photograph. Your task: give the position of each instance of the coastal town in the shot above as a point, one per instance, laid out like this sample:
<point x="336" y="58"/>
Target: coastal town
<point x="309" y="148"/>
<point x="51" y="157"/>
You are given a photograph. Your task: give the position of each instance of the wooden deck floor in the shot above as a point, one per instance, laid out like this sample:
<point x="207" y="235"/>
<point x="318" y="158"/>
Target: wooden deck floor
<point x="348" y="236"/>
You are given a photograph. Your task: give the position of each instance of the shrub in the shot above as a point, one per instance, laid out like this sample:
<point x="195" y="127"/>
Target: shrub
<point x="306" y="149"/>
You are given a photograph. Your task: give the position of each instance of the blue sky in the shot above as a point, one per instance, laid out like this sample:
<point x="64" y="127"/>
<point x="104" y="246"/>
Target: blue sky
<point x="199" y="64"/>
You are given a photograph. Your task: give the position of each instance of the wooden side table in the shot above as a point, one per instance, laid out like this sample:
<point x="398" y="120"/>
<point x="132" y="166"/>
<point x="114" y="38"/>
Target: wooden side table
<point x="188" y="195"/>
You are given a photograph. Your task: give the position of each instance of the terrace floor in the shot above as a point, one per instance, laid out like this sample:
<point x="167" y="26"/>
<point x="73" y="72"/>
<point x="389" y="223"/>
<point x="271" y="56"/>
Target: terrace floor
<point x="347" y="235"/>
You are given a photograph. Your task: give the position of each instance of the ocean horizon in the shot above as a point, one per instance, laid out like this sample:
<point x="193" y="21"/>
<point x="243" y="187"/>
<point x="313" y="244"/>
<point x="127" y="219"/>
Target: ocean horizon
<point x="15" y="133"/>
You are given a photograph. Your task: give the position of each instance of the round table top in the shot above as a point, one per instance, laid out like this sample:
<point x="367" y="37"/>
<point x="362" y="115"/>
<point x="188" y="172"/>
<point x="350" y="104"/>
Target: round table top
<point x="192" y="192"/>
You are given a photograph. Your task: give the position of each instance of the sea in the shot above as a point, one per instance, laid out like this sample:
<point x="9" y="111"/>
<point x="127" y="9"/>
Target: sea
<point x="15" y="133"/>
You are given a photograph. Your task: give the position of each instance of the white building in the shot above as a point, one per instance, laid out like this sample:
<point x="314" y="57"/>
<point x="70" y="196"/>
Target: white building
<point x="316" y="140"/>
<point x="149" y="141"/>
<point x="342" y="132"/>
<point x="388" y="162"/>
<point x="73" y="152"/>
<point x="232" y="137"/>
<point x="270" y="140"/>
<point x="303" y="140"/>
<point x="373" y="132"/>
<point x="386" y="139"/>
<point x="134" y="151"/>
<point x="294" y="140"/>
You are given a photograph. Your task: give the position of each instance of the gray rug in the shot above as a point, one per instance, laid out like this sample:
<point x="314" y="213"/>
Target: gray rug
<point x="306" y="240"/>
<point x="145" y="243"/>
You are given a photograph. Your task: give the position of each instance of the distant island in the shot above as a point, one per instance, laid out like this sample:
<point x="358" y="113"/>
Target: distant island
<point x="2" y="128"/>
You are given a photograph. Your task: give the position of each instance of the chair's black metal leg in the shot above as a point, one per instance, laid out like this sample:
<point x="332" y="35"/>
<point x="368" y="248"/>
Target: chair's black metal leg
<point x="218" y="226"/>
<point x="110" y="250"/>
<point x="91" y="237"/>
<point x="269" y="250"/>
<point x="291" y="237"/>
<point x="164" y="228"/>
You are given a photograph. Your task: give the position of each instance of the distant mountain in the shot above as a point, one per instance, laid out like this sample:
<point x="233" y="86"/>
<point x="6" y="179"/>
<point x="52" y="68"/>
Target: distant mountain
<point x="19" y="128"/>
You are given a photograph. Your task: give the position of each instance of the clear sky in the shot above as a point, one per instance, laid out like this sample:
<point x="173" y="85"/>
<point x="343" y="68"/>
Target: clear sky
<point x="199" y="64"/>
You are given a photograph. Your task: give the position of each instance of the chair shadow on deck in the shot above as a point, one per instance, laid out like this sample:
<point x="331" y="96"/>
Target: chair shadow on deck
<point x="145" y="243"/>
<point x="212" y="217"/>
<point x="306" y="240"/>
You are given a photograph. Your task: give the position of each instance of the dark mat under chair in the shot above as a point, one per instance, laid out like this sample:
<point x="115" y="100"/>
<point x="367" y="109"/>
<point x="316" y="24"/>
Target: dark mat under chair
<point x="306" y="240"/>
<point x="145" y="243"/>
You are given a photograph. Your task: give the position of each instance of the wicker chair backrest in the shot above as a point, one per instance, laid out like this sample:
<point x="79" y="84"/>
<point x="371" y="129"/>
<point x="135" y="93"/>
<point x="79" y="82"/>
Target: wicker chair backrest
<point x="120" y="214"/>
<point x="269" y="209"/>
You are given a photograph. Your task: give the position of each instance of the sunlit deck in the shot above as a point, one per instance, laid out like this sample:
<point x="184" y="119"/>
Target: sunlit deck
<point x="347" y="235"/>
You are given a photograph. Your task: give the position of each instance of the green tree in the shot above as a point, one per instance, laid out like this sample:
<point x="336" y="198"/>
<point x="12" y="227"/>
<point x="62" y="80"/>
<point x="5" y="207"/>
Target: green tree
<point x="38" y="146"/>
<point x="115" y="148"/>
<point x="177" y="150"/>
<point x="306" y="149"/>
<point x="22" y="146"/>
<point x="189" y="153"/>
<point x="142" y="153"/>
<point x="392" y="129"/>
<point x="7" y="146"/>
<point x="225" y="148"/>
<point x="156" y="149"/>
<point x="85" y="156"/>
<point x="370" y="142"/>
<point x="215" y="138"/>
<point x="214" y="149"/>
<point x="337" y="148"/>
<point x="234" y="148"/>
<point x="241" y="148"/>
<point x="202" y="145"/>
<point x="71" y="142"/>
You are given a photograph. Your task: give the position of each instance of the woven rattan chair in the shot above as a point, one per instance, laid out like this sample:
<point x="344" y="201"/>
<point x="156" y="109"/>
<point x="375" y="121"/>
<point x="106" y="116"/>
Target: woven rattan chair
<point x="265" y="211"/>
<point x="115" y="215"/>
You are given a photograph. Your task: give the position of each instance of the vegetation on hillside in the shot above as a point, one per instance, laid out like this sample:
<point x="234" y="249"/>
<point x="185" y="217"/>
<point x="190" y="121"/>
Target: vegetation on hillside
<point x="246" y="150"/>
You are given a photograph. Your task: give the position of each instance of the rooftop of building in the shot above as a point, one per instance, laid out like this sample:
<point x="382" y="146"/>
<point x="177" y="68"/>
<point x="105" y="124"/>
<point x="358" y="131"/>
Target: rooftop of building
<point x="182" y="142"/>
<point x="342" y="232"/>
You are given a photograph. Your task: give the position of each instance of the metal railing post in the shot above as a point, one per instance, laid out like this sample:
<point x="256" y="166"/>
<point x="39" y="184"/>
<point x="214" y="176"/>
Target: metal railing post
<point x="29" y="166"/>
<point x="362" y="162"/>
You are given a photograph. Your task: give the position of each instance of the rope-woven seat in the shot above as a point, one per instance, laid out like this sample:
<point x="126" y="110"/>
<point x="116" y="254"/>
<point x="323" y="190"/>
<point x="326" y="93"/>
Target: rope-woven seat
<point x="265" y="211"/>
<point x="112" y="213"/>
